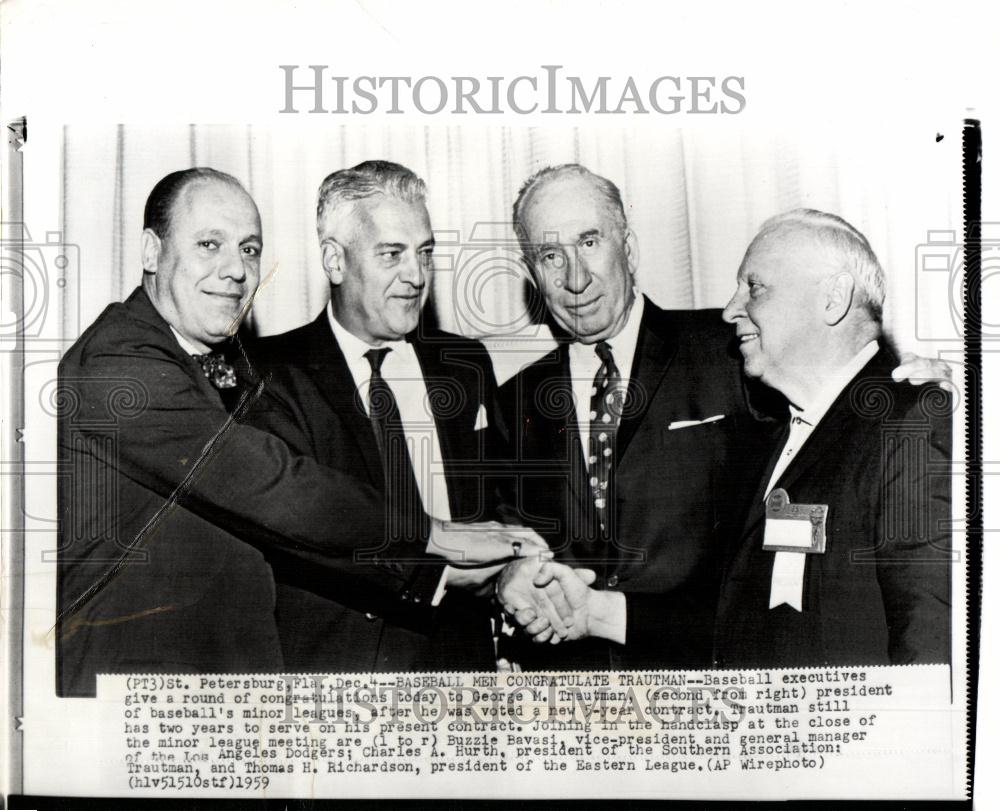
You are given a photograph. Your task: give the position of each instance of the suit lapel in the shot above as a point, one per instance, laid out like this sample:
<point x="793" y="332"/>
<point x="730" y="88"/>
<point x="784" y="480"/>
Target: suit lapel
<point x="567" y="426"/>
<point x="654" y="352"/>
<point x="822" y="443"/>
<point x="142" y="309"/>
<point x="826" y="438"/>
<point x="755" y="510"/>
<point x="827" y="435"/>
<point x="450" y="433"/>
<point x="545" y="392"/>
<point x="210" y="392"/>
<point x="325" y="363"/>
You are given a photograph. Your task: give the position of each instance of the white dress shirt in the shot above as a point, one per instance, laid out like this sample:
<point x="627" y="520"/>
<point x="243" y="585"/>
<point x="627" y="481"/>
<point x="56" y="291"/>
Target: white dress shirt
<point x="401" y="371"/>
<point x="186" y="345"/>
<point x="789" y="567"/>
<point x="584" y="364"/>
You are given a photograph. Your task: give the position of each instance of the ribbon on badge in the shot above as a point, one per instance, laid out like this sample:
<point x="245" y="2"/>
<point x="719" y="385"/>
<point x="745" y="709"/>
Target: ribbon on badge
<point x="792" y="531"/>
<point x="482" y="420"/>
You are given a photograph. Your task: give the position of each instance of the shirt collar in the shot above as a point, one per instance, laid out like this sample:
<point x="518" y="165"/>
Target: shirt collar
<point x="186" y="345"/>
<point x="623" y="344"/>
<point x="350" y="344"/>
<point x="835" y="384"/>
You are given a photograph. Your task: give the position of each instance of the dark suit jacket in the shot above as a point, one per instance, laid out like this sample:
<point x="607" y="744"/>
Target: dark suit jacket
<point x="880" y="594"/>
<point x="335" y="622"/>
<point x="165" y="505"/>
<point x="673" y="489"/>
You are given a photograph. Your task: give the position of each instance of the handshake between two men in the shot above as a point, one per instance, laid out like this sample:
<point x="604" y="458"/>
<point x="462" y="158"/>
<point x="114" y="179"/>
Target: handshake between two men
<point x="553" y="602"/>
<point x="550" y="601"/>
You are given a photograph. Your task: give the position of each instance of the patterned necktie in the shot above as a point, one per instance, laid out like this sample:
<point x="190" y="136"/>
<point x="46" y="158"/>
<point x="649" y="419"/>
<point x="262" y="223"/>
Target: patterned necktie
<point x="606" y="401"/>
<point x="219" y="373"/>
<point x="405" y="517"/>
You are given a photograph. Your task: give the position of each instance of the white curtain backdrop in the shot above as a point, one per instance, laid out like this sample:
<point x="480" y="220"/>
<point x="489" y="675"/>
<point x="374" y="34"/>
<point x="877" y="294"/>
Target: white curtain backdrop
<point x="694" y="199"/>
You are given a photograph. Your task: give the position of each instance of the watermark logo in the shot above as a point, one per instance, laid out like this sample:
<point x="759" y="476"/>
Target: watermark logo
<point x="941" y="277"/>
<point x="317" y="89"/>
<point x="47" y="271"/>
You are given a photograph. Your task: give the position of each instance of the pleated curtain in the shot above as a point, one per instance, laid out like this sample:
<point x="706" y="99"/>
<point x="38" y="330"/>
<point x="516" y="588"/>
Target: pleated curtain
<point x="694" y="199"/>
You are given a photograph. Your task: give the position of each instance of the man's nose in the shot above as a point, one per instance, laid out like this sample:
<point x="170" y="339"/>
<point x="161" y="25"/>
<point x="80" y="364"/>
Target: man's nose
<point x="577" y="275"/>
<point x="412" y="270"/>
<point x="233" y="266"/>
<point x="734" y="309"/>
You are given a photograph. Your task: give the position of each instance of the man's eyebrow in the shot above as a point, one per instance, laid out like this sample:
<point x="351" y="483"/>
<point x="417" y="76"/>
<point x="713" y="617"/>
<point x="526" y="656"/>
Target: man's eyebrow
<point x="251" y="238"/>
<point x="427" y="243"/>
<point x="583" y="235"/>
<point x="539" y="247"/>
<point x="384" y="246"/>
<point x="209" y="232"/>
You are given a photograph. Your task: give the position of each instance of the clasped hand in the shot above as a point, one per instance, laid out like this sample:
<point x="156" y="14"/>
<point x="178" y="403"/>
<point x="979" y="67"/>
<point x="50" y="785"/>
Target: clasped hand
<point x="479" y="551"/>
<point x="549" y="600"/>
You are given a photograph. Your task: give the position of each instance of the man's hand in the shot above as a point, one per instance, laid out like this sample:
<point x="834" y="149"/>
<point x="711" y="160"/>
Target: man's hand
<point x="916" y="370"/>
<point x="590" y="612"/>
<point x="566" y="590"/>
<point x="519" y="596"/>
<point x="470" y="545"/>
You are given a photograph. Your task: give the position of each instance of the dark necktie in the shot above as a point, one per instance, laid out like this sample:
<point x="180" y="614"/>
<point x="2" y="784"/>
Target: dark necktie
<point x="606" y="402"/>
<point x="405" y="517"/>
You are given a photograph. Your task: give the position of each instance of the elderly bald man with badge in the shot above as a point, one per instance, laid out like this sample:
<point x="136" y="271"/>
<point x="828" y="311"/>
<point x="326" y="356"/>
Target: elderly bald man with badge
<point x="844" y="553"/>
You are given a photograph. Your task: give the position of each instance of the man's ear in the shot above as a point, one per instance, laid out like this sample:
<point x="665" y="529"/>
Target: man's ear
<point x="530" y="271"/>
<point x="631" y="250"/>
<point x="333" y="260"/>
<point x="839" y="296"/>
<point x="150" y="248"/>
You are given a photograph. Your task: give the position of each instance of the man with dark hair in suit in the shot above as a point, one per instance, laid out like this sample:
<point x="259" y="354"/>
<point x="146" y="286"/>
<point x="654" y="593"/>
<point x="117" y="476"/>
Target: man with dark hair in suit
<point x="368" y="387"/>
<point x="635" y="440"/>
<point x="844" y="553"/>
<point x="169" y="505"/>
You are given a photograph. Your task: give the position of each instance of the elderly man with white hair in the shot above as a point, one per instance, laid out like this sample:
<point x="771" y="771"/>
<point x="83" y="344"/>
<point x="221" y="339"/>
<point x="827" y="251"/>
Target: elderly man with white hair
<point x="844" y="555"/>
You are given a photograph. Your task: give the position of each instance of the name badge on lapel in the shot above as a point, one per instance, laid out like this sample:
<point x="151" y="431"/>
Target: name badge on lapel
<point x="794" y="527"/>
<point x="791" y="531"/>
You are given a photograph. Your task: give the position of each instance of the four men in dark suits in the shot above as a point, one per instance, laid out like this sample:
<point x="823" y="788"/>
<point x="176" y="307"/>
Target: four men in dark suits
<point x="633" y="443"/>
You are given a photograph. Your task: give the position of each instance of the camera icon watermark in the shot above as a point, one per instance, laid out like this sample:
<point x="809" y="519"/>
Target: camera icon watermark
<point x="491" y="288"/>
<point x="47" y="273"/>
<point x="942" y="281"/>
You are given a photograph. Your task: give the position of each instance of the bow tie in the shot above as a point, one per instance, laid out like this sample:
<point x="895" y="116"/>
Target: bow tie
<point x="221" y="374"/>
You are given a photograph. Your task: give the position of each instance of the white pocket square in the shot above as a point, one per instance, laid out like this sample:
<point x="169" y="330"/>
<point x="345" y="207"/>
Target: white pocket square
<point x="688" y="423"/>
<point x="482" y="421"/>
